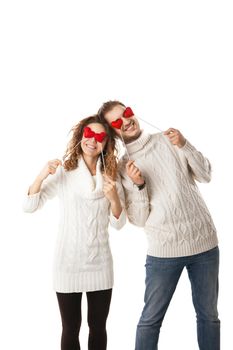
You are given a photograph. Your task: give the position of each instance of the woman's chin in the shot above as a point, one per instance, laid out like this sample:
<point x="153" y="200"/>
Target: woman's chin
<point x="89" y="152"/>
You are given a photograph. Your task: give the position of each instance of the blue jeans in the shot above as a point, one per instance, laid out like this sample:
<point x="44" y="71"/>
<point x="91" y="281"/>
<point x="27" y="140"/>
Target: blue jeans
<point x="162" y="276"/>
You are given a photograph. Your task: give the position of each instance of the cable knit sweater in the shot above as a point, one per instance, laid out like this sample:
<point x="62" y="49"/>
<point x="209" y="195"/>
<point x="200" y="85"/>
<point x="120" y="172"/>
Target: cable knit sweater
<point x="179" y="223"/>
<point x="83" y="260"/>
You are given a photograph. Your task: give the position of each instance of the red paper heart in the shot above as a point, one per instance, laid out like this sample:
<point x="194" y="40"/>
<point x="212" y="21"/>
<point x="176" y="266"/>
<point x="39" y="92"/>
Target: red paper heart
<point x="88" y="133"/>
<point x="128" y="112"/>
<point x="117" y="123"/>
<point x="100" y="137"/>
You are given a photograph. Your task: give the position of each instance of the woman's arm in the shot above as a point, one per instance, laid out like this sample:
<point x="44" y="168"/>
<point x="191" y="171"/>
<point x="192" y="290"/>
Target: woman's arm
<point x="114" y="193"/>
<point x="111" y="194"/>
<point x="49" y="168"/>
<point x="42" y="188"/>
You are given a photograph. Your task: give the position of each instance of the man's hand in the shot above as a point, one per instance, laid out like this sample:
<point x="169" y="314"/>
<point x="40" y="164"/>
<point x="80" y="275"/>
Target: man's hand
<point x="175" y="137"/>
<point x="134" y="173"/>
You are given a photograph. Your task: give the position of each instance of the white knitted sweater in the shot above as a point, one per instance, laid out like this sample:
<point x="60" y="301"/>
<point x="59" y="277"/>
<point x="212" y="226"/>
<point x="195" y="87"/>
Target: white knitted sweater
<point x="179" y="223"/>
<point x="83" y="260"/>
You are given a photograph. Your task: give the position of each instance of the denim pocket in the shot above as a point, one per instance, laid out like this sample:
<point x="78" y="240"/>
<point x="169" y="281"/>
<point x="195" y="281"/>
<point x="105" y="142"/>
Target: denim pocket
<point x="149" y="261"/>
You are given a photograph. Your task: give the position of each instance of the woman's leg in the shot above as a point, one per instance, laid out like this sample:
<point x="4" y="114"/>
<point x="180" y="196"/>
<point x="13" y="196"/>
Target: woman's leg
<point x="70" y="309"/>
<point x="98" y="309"/>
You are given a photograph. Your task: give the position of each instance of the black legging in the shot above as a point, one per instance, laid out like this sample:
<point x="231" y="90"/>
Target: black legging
<point x="70" y="308"/>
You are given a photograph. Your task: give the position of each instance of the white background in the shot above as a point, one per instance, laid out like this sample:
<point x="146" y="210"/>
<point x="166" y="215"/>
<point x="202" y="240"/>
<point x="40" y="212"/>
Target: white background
<point x="171" y="61"/>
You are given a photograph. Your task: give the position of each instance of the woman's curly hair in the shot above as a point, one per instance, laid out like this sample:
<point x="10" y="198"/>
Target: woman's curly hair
<point x="74" y="150"/>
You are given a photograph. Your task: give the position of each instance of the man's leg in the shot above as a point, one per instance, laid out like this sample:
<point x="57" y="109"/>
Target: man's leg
<point x="203" y="274"/>
<point x="162" y="276"/>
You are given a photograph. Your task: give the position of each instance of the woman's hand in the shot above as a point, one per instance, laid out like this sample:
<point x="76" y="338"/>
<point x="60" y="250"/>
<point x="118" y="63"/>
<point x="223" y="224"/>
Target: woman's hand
<point x="111" y="194"/>
<point x="49" y="168"/>
<point x="109" y="189"/>
<point x="134" y="173"/>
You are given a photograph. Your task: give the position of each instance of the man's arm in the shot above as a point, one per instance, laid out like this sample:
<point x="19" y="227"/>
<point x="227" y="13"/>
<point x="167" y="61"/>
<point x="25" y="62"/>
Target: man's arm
<point x="199" y="166"/>
<point x="136" y="196"/>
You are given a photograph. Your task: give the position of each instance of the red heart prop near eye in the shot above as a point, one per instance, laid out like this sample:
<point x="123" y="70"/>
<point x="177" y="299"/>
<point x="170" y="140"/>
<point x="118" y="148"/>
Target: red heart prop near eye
<point x="88" y="132"/>
<point x="117" y="123"/>
<point x="128" y="112"/>
<point x="100" y="137"/>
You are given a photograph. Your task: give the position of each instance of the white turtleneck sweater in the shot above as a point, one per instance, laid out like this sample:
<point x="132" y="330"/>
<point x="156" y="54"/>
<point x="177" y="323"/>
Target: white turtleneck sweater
<point x="83" y="260"/>
<point x="179" y="223"/>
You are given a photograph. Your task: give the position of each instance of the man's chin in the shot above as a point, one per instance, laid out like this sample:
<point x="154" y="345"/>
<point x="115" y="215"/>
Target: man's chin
<point x="129" y="137"/>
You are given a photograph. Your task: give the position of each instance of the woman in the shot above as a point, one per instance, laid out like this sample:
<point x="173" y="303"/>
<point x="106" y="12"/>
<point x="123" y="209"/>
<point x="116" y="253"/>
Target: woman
<point x="90" y="199"/>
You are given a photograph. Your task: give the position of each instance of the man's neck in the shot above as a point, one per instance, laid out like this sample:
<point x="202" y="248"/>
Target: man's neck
<point x="134" y="138"/>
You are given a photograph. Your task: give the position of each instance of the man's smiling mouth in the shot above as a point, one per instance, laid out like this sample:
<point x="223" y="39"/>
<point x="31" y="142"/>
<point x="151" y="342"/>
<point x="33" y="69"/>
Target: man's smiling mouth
<point x="129" y="126"/>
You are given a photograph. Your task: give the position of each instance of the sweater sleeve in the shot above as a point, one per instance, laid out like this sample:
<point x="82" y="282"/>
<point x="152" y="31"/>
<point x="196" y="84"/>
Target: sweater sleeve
<point x="137" y="203"/>
<point x="48" y="190"/>
<point x="118" y="223"/>
<point x="199" y="166"/>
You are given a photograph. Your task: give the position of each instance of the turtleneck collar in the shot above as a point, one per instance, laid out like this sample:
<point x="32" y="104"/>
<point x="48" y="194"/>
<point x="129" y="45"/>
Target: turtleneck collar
<point x="87" y="187"/>
<point x="139" y="143"/>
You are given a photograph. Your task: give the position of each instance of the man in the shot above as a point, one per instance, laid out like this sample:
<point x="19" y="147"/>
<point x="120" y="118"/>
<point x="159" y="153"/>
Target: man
<point x="180" y="231"/>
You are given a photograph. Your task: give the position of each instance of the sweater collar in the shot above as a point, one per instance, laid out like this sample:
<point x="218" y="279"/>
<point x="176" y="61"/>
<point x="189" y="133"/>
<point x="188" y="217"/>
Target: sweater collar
<point x="139" y="143"/>
<point x="86" y="185"/>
